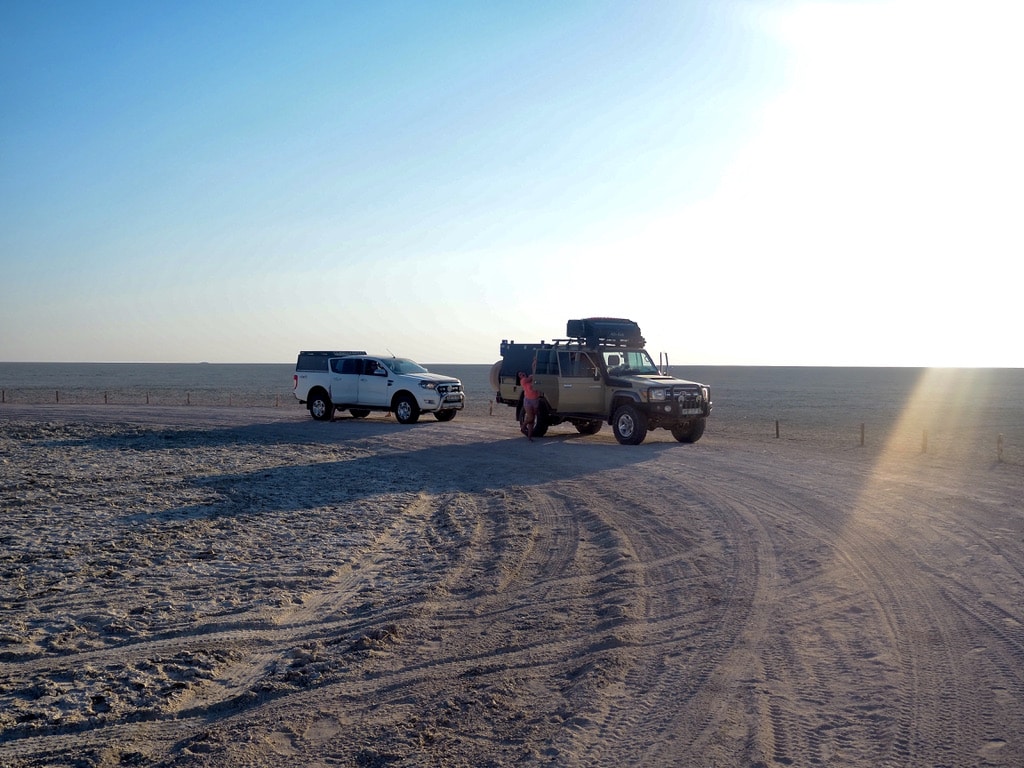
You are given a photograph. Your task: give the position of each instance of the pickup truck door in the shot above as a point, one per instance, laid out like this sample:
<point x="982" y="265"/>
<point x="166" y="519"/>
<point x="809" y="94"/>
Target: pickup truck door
<point x="582" y="390"/>
<point x="345" y="380"/>
<point x="375" y="384"/>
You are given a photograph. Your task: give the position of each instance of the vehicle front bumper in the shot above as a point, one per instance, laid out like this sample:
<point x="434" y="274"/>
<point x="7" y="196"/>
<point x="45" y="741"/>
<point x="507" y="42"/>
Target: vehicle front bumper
<point x="435" y="401"/>
<point x="685" y="407"/>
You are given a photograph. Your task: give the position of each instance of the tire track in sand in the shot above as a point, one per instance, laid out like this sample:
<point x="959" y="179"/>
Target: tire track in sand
<point x="696" y="579"/>
<point x="248" y="654"/>
<point x="873" y="657"/>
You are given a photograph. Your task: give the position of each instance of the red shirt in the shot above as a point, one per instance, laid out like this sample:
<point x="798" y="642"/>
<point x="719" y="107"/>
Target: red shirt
<point x="528" y="391"/>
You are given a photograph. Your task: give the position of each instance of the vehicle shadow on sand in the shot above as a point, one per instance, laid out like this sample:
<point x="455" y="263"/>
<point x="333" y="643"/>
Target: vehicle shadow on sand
<point x="375" y="461"/>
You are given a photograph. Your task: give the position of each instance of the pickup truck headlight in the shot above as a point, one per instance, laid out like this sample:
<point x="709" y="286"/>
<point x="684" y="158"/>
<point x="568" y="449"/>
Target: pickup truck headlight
<point x="428" y="384"/>
<point x="656" y="395"/>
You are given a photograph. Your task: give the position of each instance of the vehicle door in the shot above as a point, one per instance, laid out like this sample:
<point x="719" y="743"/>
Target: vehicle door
<point x="375" y="382"/>
<point x="545" y="377"/>
<point x="345" y="380"/>
<point x="582" y="389"/>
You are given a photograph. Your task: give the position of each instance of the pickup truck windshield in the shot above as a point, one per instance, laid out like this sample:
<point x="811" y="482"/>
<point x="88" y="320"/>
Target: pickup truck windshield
<point x="404" y="365"/>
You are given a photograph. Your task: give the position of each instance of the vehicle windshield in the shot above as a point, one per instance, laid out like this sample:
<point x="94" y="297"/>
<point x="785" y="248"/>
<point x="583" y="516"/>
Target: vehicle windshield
<point x="635" y="361"/>
<point x="404" y="365"/>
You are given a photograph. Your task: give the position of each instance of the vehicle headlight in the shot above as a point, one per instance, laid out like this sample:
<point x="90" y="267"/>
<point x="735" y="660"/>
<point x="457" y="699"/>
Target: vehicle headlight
<point x="656" y="395"/>
<point x="428" y="384"/>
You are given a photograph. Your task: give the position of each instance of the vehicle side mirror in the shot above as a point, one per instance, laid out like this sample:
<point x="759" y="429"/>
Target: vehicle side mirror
<point x="380" y="372"/>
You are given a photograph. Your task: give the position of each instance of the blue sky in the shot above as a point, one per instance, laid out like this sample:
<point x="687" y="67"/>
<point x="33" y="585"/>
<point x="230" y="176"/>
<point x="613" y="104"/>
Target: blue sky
<point x="770" y="183"/>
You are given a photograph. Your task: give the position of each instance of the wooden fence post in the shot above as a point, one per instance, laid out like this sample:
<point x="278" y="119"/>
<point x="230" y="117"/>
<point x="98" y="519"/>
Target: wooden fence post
<point x="776" y="429"/>
<point x="862" y="434"/>
<point x="999" y="448"/>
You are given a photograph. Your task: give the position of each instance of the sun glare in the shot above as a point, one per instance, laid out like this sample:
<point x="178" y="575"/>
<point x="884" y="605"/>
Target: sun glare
<point x="886" y="177"/>
<point x="958" y="413"/>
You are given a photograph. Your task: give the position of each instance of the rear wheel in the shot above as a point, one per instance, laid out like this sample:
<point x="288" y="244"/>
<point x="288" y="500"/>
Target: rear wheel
<point x="629" y="424"/>
<point x="406" y="409"/>
<point x="543" y="414"/>
<point x="540" y="426"/>
<point x="320" y="406"/>
<point x="690" y="432"/>
<point x="445" y="415"/>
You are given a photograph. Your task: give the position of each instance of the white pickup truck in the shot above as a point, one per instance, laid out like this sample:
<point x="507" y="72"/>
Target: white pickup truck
<point x="329" y="381"/>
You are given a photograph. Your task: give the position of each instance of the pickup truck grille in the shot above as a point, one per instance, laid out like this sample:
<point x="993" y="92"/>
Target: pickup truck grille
<point x="447" y="389"/>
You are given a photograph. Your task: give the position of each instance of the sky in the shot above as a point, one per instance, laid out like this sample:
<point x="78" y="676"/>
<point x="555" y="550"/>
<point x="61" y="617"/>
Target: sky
<point x="770" y="182"/>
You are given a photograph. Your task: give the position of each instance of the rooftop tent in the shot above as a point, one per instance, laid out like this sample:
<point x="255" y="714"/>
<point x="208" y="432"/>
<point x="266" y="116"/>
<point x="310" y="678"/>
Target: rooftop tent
<point x="614" y="331"/>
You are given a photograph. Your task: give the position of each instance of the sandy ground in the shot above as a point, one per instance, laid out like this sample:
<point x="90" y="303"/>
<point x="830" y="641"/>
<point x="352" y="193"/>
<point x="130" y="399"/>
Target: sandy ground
<point x="248" y="587"/>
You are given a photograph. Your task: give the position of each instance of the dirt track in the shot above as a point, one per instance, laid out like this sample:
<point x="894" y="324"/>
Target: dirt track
<point x="251" y="588"/>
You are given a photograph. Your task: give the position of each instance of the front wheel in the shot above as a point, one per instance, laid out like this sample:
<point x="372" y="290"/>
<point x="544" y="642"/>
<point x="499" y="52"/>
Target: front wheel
<point x="445" y="415"/>
<point x="629" y="424"/>
<point x="320" y="406"/>
<point x="406" y="409"/>
<point x="690" y="432"/>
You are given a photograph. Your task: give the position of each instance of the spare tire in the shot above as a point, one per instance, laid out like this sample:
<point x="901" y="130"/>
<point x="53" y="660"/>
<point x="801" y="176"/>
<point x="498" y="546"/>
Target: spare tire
<point x="495" y="376"/>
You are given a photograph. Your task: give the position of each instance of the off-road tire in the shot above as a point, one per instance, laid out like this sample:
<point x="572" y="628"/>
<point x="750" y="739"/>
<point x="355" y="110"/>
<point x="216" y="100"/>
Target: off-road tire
<point x="690" y="432"/>
<point x="447" y="415"/>
<point x="406" y="409"/>
<point x="541" y="427"/>
<point x="320" y="406"/>
<point x="629" y="424"/>
<point x="543" y="415"/>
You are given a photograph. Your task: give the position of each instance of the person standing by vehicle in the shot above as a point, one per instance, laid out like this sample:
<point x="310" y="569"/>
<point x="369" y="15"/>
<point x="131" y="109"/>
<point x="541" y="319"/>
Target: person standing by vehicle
<point x="531" y="401"/>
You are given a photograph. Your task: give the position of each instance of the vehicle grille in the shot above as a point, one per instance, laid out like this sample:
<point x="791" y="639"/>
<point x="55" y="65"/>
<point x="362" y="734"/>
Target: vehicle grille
<point x="688" y="398"/>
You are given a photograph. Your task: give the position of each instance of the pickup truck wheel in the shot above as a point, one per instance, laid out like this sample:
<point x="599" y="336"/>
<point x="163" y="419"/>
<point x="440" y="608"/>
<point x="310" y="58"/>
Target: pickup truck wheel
<point x="690" y="432"/>
<point x="320" y="406"/>
<point x="445" y="415"/>
<point x="589" y="427"/>
<point x="629" y="425"/>
<point x="359" y="413"/>
<point x="406" y="409"/>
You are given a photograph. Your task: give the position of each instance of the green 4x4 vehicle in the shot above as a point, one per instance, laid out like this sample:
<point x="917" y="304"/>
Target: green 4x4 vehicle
<point x="600" y="374"/>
